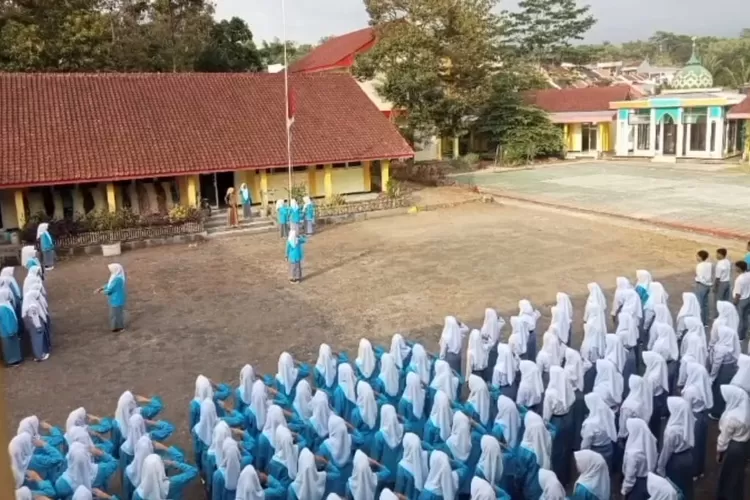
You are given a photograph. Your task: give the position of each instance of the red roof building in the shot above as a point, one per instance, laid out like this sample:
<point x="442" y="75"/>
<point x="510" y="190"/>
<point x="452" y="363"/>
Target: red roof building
<point x="338" y="53"/>
<point x="67" y="129"/>
<point x="740" y="111"/>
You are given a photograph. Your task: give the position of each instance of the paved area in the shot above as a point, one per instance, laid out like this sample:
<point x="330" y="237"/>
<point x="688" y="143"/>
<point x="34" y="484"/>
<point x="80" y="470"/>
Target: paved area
<point x="714" y="198"/>
<point x="212" y="308"/>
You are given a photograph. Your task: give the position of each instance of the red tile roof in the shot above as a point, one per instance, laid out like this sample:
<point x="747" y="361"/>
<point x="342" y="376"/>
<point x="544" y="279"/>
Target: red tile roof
<point x="578" y="100"/>
<point x="337" y="53"/>
<point x="742" y="108"/>
<point x="57" y="129"/>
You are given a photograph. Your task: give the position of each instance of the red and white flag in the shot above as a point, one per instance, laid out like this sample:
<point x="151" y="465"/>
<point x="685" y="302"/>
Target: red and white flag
<point x="291" y="108"/>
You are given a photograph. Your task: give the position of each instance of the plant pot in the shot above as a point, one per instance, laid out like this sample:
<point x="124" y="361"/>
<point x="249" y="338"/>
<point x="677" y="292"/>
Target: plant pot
<point x="112" y="250"/>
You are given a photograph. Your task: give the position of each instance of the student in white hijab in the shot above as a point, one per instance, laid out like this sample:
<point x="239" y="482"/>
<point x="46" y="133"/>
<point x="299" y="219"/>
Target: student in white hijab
<point x="530" y="388"/>
<point x="451" y="342"/>
<point x="412" y="469"/>
<point x="552" y="353"/>
<point x="490" y="331"/>
<point x="574" y="368"/>
<point x="552" y="489"/>
<point x="595" y="300"/>
<point x="593" y="348"/>
<point x="249" y="486"/>
<point x="338" y="449"/>
<point x="438" y="427"/>
<point x="504" y="373"/>
<point x="694" y="340"/>
<point x="388" y="382"/>
<point x="132" y="474"/>
<point x="659" y="488"/>
<point x="537" y="439"/>
<point x="639" y="403"/>
<point x="742" y="378"/>
<point x="727" y="316"/>
<point x="445" y="380"/>
<point x="302" y="398"/>
<point x="310" y="484"/>
<point x="622" y="295"/>
<point x="366" y="363"/>
<point x="202" y="432"/>
<point x="479" y="403"/>
<point x="481" y="490"/>
<point x="283" y="465"/>
<point x="363" y="483"/>
<point x="35" y="320"/>
<point x="386" y="448"/>
<point x="156" y="485"/>
<point x="459" y="443"/>
<point x="326" y="369"/>
<point x="245" y="389"/>
<point x="608" y="383"/>
<point x="657" y="294"/>
<point x="117" y="296"/>
<point x="657" y="376"/>
<point x="420" y="363"/>
<point x="519" y="337"/>
<point x="365" y="415"/>
<point x="677" y="454"/>
<point x="562" y="317"/>
<point x="558" y="403"/>
<point x="289" y="374"/>
<point x="732" y="443"/>
<point x="265" y="447"/>
<point x="318" y="423"/>
<point x="442" y="482"/>
<point x="345" y="393"/>
<point x="723" y="357"/>
<point x="490" y="464"/>
<point x="690" y="309"/>
<point x="400" y="350"/>
<point x="255" y="413"/>
<point x="529" y="316"/>
<point x="638" y="460"/>
<point x="507" y="426"/>
<point x="81" y="470"/>
<point x="593" y="477"/>
<point x="412" y="404"/>
<point x="477" y="356"/>
<point x="598" y="432"/>
<point x="627" y="330"/>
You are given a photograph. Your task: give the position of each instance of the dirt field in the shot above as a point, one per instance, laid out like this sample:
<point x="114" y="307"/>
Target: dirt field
<point x="213" y="308"/>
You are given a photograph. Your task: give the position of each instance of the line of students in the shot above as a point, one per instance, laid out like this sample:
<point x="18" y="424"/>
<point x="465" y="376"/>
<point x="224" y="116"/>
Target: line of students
<point x="293" y="217"/>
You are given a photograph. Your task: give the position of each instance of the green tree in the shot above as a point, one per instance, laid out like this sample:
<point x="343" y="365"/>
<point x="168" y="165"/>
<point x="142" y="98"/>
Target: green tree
<point x="178" y="33"/>
<point x="434" y="58"/>
<point x="546" y="29"/>
<point x="273" y="52"/>
<point x="231" y="49"/>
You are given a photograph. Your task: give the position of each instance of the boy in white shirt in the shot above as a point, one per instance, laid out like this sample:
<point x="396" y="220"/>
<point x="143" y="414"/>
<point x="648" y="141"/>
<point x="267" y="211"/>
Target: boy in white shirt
<point x="723" y="272"/>
<point x="742" y="297"/>
<point x="704" y="279"/>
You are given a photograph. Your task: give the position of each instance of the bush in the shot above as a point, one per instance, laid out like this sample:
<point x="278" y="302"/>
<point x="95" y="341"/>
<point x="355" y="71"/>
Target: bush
<point x="336" y="200"/>
<point x="298" y="192"/>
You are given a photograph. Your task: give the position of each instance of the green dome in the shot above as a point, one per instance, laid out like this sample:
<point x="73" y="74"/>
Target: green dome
<point x="693" y="75"/>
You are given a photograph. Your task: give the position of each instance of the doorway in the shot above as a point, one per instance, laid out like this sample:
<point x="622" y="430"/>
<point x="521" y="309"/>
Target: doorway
<point x="214" y="187"/>
<point x="670" y="136"/>
<point x="588" y="137"/>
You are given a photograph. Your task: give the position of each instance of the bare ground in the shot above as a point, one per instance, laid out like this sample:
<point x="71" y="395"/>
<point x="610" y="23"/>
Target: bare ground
<point x="213" y="308"/>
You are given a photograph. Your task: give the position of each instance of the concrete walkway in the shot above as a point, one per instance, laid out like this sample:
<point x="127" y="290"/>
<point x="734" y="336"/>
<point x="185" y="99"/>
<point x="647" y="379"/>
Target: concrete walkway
<point x="710" y="201"/>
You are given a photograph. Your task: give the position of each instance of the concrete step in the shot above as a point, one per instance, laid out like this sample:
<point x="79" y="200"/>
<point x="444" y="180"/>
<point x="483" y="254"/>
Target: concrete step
<point x="222" y="222"/>
<point x="221" y="232"/>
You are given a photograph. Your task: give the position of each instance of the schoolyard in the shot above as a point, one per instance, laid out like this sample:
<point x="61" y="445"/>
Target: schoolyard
<point x="212" y="308"/>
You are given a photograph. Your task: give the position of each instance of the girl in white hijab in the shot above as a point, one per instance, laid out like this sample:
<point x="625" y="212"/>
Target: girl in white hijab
<point x="438" y="427"/>
<point x="266" y="443"/>
<point x="363" y="483"/>
<point x="132" y="476"/>
<point x="337" y="448"/>
<point x="596" y="299"/>
<point x="490" y="331"/>
<point x="537" y="440"/>
<point x="530" y="388"/>
<point x="638" y="404"/>
<point x="451" y="342"/>
<point x="659" y="488"/>
<point x="598" y="432"/>
<point x="507" y="422"/>
<point x="318" y="424"/>
<point x="288" y="375"/>
<point x="203" y="430"/>
<point x="558" y="404"/>
<point x="519" y="337"/>
<point x="638" y="460"/>
<point x="283" y="466"/>
<point x="627" y="330"/>
<point x="224" y="484"/>
<point x="732" y="443"/>
<point x="477" y="355"/>
<point x="479" y="404"/>
<point x="35" y="320"/>
<point x="593" y="348"/>
<point x="727" y="316"/>
<point x="400" y="350"/>
<point x="442" y="481"/>
<point x="81" y="471"/>
<point x="420" y="363"/>
<point x="742" y="378"/>
<point x="245" y="389"/>
<point x="302" y="398"/>
<point x="255" y="413"/>
<point x="249" y="486"/>
<point x="504" y="372"/>
<point x="593" y="476"/>
<point x="657" y="376"/>
<point x="562" y="316"/>
<point x="366" y="363"/>
<point x="694" y="340"/>
<point x="608" y="383"/>
<point x="490" y="464"/>
<point x="412" y="404"/>
<point x="459" y="443"/>
<point x="552" y="353"/>
<point x="676" y="457"/>
<point x="723" y="357"/>
<point x="480" y="490"/>
<point x="154" y="482"/>
<point x="345" y="393"/>
<point x="413" y="467"/>
<point x="365" y="415"/>
<point x="552" y="489"/>
<point x="388" y="382"/>
<point x="445" y="380"/>
<point x="574" y="368"/>
<point x="690" y="309"/>
<point x="309" y="483"/>
<point x="325" y="369"/>
<point x="618" y="301"/>
<point x="387" y="448"/>
<point x="529" y="316"/>
<point x="117" y="295"/>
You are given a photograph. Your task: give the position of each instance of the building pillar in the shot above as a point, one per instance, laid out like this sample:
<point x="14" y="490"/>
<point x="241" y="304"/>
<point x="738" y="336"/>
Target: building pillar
<point x="78" y="206"/>
<point x="603" y="142"/>
<point x="709" y="135"/>
<point x="135" y="204"/>
<point x="721" y="127"/>
<point x="20" y="208"/>
<point x="687" y="141"/>
<point x="328" y="180"/>
<point x="192" y="190"/>
<point x="661" y="139"/>
<point x="99" y="194"/>
<point x="367" y="175"/>
<point x="652" y="134"/>
<point x="59" y="211"/>
<point x="456" y="148"/>
<point x="182" y="187"/>
<point x="264" y="188"/>
<point x="312" y="181"/>
<point x="385" y="174"/>
<point x="111" y="198"/>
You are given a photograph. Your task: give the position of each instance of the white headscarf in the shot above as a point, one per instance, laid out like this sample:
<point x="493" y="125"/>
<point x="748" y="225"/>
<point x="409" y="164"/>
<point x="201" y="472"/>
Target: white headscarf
<point x="274" y="419"/>
<point x="441" y="415"/>
<point x="560" y="395"/>
<point x="742" y="377"/>
<point x="727" y="345"/>
<point x="727" y="317"/>
<point x="442" y="480"/>
<point x="659" y="488"/>
<point x="459" y="442"/>
<point x="681" y="420"/>
<point x="414" y="460"/>
<point x="690" y="309"/>
<point x="415" y="394"/>
<point x="444" y="379"/>
<point x="326" y="364"/>
<point x="154" y="482"/>
<point x="248" y="485"/>
<point x="287" y="453"/>
<point x="530" y="388"/>
<point x="136" y="429"/>
<point x="389" y="375"/>
<point x="21" y="451"/>
<point x="220" y="434"/>
<point x="594" y="345"/>
<point x="697" y="388"/>
<point x="115" y="271"/>
<point x="737" y="406"/>
<point x="76" y="418"/>
<point x="694" y="341"/>
<point x="366" y="404"/>
<point x="537" y="438"/>
<point x="420" y="363"/>
<point x="519" y="330"/>
<point x="309" y="483"/>
<point x="656" y="371"/>
<point x="400" y="350"/>
<point x="491" y="459"/>
<point x="640" y="442"/>
<point x="231" y="463"/>
<point x="451" y="338"/>
<point x="479" y="397"/>
<point x="302" y="398"/>
<point x="363" y="482"/>
<point x="79" y="435"/>
<point x="509" y="417"/>
<point x="666" y="342"/>
<point x="644" y="278"/>
<point x="247" y="379"/>
<point x="640" y="399"/>
<point x="366" y="361"/>
<point x="24" y="493"/>
<point x="143" y="448"/>
<point x="203" y="389"/>
<point x="81" y="469"/>
<point x="82" y="493"/>
<point x="627" y="329"/>
<point x="347" y="381"/>
<point x="293" y="203"/>
<point x="481" y="489"/>
<point x="631" y="303"/>
<point x="616" y="353"/>
<point x="601" y="418"/>
<point x="390" y="427"/>
<point x="321" y="413"/>
<point x="287" y="373"/>
<point x="491" y="327"/>
<point x="205" y="427"/>
<point x="623" y="285"/>
<point x="553" y="351"/>
<point x="126" y="407"/>
<point x="279" y="204"/>
<point x="595" y="300"/>
<point x="504" y="371"/>
<point x="30" y="426"/>
<point x="562" y="314"/>
<point x="476" y="353"/>
<point x="657" y="295"/>
<point x="593" y="473"/>
<point x="7" y="276"/>
<point x="551" y="487"/>
<point x="41" y="229"/>
<point x="608" y="382"/>
<point x="528" y="314"/>
<point x="339" y="442"/>
<point x="292" y="239"/>
<point x="574" y="368"/>
<point x="662" y="315"/>
<point x="259" y="403"/>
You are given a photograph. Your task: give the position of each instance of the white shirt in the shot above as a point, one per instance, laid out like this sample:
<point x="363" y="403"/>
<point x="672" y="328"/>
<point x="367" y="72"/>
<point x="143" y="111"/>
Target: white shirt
<point x="703" y="273"/>
<point x="723" y="270"/>
<point x="742" y="286"/>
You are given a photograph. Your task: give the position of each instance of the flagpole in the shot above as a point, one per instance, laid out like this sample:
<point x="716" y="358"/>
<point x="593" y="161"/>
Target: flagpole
<point x="286" y="100"/>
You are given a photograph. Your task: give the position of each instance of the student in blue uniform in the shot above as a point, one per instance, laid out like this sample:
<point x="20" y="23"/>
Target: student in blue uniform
<point x="83" y="493"/>
<point x="389" y="383"/>
<point x="551" y="487"/>
<point x="338" y="450"/>
<point x="46" y="245"/>
<point x="599" y="433"/>
<point x="202" y="432"/>
<point x="316" y="430"/>
<point x="365" y="415"/>
<point x="482" y="490"/>
<point x="366" y="363"/>
<point x="530" y="387"/>
<point x="224" y="484"/>
<point x="676" y="458"/>
<point x="82" y="470"/>
<point x="295" y="216"/>
<point x="309" y="212"/>
<point x="412" y="469"/>
<point x="326" y="369"/>
<point x="33" y="427"/>
<point x="127" y="406"/>
<point x="207" y="390"/>
<point x="345" y="394"/>
<point x="156" y="485"/>
<point x="32" y="482"/>
<point x="10" y="334"/>
<point x="301" y="404"/>
<point x="311" y="484"/>
<point x="295" y="254"/>
<point x="558" y="404"/>
<point x="445" y="380"/>
<point x="116" y="291"/>
<point x="533" y="453"/>
<point x="697" y="392"/>
<point x="282" y="217"/>
<point x="438" y="427"/>
<point x="463" y="445"/>
<point x="288" y="375"/>
<point x="490" y="464"/>
<point x="265" y="447"/>
<point x="364" y="484"/>
<point x="8" y="279"/>
<point x="387" y="448"/>
<point x="507" y="425"/>
<point x="451" y="343"/>
<point x="505" y="372"/>
<point x="479" y="404"/>
<point x="442" y="482"/>
<point x="255" y="412"/>
<point x="213" y="454"/>
<point x="143" y="448"/>
<point x="593" y="477"/>
<point x="412" y="405"/>
<point x="283" y="465"/>
<point x="250" y="487"/>
<point x="478" y="356"/>
<point x="137" y="428"/>
<point x="244" y="391"/>
<point x="420" y="364"/>
<point x="401" y="351"/>
<point x="529" y="316"/>
<point x="30" y="452"/>
<point x="638" y="461"/>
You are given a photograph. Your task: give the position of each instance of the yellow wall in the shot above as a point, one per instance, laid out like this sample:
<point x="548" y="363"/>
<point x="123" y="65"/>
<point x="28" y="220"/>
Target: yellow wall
<point x="574" y="137"/>
<point x="348" y="180"/>
<point x="320" y="182"/>
<point x="8" y="208"/>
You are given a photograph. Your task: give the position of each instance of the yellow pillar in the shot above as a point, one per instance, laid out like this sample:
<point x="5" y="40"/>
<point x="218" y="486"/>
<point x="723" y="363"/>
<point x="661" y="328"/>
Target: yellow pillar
<point x="20" y="208"/>
<point x="111" y="200"/>
<point x="604" y="137"/>
<point x="328" y="180"/>
<point x="566" y="134"/>
<point x="456" y="148"/>
<point x="367" y="175"/>
<point x="311" y="181"/>
<point x="192" y="189"/>
<point x="264" y="188"/>
<point x="385" y="174"/>
<point x="182" y="184"/>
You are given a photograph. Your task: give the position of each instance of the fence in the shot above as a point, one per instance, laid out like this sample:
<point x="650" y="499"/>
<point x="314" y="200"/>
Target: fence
<point x="363" y="206"/>
<point x="130" y="234"/>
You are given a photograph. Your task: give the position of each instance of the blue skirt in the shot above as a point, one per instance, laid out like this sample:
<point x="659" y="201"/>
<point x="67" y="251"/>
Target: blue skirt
<point x="12" y="350"/>
<point x="531" y="347"/>
<point x="701" y="438"/>
<point x="589" y="377"/>
<point x="680" y="471"/>
<point x="608" y="454"/>
<point x="579" y="415"/>
<point x="562" y="446"/>
<point x="639" y="491"/>
<point x="731" y="484"/>
<point x="660" y="411"/>
<point x="726" y="373"/>
<point x="673" y="371"/>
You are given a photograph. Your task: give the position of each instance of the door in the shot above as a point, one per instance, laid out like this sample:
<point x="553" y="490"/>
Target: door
<point x="208" y="189"/>
<point x="224" y="180"/>
<point x="588" y="137"/>
<point x="670" y="136"/>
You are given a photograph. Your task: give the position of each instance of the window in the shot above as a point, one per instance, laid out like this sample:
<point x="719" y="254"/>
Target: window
<point x="698" y="134"/>
<point x="339" y="165"/>
<point x="299" y="169"/>
<point x="644" y="136"/>
<point x="354" y="164"/>
<point x="657" y="146"/>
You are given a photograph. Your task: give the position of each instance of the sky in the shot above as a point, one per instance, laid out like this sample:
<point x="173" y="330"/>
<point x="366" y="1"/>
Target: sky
<point x="307" y="21"/>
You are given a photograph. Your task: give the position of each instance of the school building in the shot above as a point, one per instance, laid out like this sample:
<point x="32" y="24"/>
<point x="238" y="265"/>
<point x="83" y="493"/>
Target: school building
<point x="72" y="143"/>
